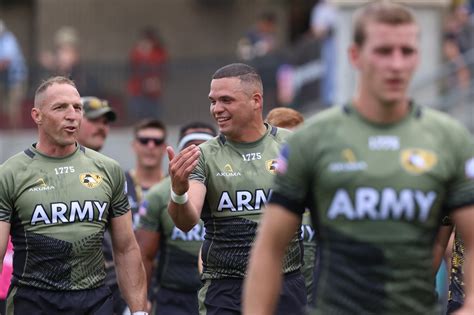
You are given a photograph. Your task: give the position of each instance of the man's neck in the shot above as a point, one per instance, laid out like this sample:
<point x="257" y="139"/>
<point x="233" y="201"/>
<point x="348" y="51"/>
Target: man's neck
<point x="147" y="177"/>
<point x="378" y="112"/>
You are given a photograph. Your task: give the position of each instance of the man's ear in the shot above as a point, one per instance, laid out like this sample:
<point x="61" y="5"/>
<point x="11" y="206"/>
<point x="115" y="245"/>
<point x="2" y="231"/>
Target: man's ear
<point x="36" y="115"/>
<point x="257" y="99"/>
<point x="354" y="55"/>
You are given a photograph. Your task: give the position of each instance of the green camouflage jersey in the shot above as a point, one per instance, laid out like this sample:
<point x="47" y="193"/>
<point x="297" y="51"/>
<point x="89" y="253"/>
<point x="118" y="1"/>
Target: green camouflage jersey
<point x="238" y="177"/>
<point x="58" y="209"/>
<point x="376" y="193"/>
<point x="456" y="283"/>
<point x="178" y="260"/>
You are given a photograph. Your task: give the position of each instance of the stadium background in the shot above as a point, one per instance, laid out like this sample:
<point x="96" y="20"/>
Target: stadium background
<point x="199" y="36"/>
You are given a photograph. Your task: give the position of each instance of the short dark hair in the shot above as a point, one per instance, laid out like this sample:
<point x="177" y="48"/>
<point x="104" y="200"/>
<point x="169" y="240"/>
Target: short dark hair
<point x="196" y="125"/>
<point x="149" y="123"/>
<point x="50" y="81"/>
<point x="382" y="11"/>
<point x="245" y="73"/>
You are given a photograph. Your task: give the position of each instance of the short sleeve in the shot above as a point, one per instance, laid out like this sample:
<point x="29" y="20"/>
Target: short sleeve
<point x="153" y="207"/>
<point x="461" y="188"/>
<point x="119" y="204"/>
<point x="199" y="172"/>
<point x="291" y="184"/>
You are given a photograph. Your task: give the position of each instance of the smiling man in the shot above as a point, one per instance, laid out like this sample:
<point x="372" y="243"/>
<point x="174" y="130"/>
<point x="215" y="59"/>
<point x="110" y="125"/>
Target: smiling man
<point x="230" y="179"/>
<point x="378" y="175"/>
<point x="56" y="198"/>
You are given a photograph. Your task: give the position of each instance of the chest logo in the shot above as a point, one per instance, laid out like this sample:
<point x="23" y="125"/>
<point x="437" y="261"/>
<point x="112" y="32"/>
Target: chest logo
<point x="418" y="161"/>
<point x="228" y="172"/>
<point x="40" y="185"/>
<point x="90" y="180"/>
<point x="271" y="166"/>
<point x="350" y="164"/>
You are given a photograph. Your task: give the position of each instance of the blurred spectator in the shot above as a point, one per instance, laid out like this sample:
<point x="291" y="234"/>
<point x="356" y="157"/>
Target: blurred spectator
<point x="6" y="275"/>
<point x="323" y="24"/>
<point x="65" y="60"/>
<point x="459" y="76"/>
<point x="259" y="41"/>
<point x="13" y="74"/>
<point x="259" y="47"/>
<point x="145" y="85"/>
<point x="285" y="118"/>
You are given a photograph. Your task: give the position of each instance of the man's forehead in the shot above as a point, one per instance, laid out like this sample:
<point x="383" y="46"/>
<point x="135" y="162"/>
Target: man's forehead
<point x="383" y="32"/>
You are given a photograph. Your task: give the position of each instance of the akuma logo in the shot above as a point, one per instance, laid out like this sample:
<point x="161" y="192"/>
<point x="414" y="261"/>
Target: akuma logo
<point x="228" y="172"/>
<point x="40" y="185"/>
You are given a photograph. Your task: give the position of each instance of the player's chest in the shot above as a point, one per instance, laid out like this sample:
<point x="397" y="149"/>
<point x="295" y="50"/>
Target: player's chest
<point x="381" y="160"/>
<point x="63" y="194"/>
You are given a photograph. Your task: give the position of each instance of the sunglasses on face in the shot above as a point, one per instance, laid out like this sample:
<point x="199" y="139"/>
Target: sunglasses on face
<point x="146" y="140"/>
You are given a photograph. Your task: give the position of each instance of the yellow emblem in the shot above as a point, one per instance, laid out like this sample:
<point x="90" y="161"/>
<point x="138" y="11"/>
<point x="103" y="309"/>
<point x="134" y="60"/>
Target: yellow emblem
<point x="228" y="168"/>
<point x="90" y="180"/>
<point x="41" y="182"/>
<point x="271" y="166"/>
<point x="418" y="161"/>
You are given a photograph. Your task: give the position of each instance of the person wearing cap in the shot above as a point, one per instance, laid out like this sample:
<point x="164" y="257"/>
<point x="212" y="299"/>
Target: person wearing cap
<point x="177" y="275"/>
<point x="95" y="127"/>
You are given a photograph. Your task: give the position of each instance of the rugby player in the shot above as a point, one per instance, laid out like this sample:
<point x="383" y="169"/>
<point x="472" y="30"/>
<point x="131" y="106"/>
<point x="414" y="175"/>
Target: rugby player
<point x="56" y="198"/>
<point x="230" y="178"/>
<point x="177" y="274"/>
<point x="377" y="173"/>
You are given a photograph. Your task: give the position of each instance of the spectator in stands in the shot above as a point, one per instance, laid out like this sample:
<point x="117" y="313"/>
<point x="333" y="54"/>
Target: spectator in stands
<point x="65" y="60"/>
<point x="149" y="146"/>
<point x="147" y="60"/>
<point x="284" y="117"/>
<point x="13" y="75"/>
<point x="323" y="24"/>
<point x="259" y="41"/>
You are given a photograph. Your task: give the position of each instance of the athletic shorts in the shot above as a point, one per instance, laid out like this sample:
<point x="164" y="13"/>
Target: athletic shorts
<point x="223" y="296"/>
<point x="168" y="301"/>
<point x="32" y="301"/>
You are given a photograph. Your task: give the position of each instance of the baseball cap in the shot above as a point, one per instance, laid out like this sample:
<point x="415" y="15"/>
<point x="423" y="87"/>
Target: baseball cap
<point x="95" y="107"/>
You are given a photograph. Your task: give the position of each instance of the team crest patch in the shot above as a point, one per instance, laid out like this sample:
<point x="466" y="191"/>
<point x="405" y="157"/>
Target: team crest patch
<point x="90" y="180"/>
<point x="271" y="166"/>
<point x="469" y="168"/>
<point x="418" y="161"/>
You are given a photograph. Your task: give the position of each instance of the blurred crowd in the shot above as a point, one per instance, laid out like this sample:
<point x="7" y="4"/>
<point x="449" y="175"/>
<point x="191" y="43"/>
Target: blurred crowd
<point x="299" y="73"/>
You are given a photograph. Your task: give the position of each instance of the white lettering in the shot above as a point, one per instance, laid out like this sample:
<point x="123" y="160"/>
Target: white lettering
<point x="57" y="212"/>
<point x="425" y="202"/>
<point x="77" y="211"/>
<point x="243" y="200"/>
<point x="225" y="203"/>
<point x="39" y="215"/>
<point x="366" y="203"/>
<point x="101" y="208"/>
<point x="403" y="205"/>
<point x="341" y="205"/>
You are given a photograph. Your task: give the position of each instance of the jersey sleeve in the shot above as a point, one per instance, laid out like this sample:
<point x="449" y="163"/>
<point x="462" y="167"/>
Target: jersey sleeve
<point x="153" y="207"/>
<point x="461" y="190"/>
<point x="199" y="172"/>
<point x="6" y="203"/>
<point x="291" y="183"/>
<point x="119" y="203"/>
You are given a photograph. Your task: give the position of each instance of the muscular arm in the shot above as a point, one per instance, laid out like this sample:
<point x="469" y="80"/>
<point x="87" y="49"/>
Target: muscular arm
<point x="149" y="243"/>
<point x="264" y="276"/>
<point x="440" y="245"/>
<point x="4" y="233"/>
<point x="128" y="264"/>
<point x="185" y="216"/>
<point x="464" y="222"/>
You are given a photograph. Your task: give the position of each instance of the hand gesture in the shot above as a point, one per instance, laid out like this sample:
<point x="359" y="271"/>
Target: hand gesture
<point x="180" y="166"/>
